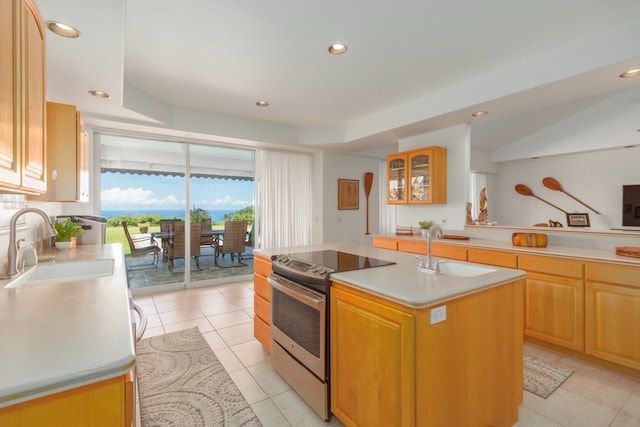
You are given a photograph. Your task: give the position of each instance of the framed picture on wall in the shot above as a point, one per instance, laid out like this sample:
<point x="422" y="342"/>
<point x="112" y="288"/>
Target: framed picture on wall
<point x="578" y="220"/>
<point x="348" y="194"/>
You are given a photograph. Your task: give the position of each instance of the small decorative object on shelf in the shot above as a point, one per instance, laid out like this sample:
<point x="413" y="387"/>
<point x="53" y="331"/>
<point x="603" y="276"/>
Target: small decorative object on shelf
<point x="402" y="230"/>
<point x="484" y="210"/>
<point x="469" y="215"/>
<point x="578" y="220"/>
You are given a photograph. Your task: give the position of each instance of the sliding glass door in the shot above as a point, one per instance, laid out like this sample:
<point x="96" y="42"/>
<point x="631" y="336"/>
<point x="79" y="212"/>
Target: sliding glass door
<point x="176" y="195"/>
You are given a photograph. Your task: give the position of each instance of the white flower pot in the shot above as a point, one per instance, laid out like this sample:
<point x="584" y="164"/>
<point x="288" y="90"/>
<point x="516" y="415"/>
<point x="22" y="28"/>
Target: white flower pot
<point x="63" y="246"/>
<point x="425" y="232"/>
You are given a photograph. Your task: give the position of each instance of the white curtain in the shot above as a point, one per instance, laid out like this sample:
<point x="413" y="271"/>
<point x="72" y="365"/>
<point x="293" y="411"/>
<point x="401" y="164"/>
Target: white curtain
<point x="283" y="198"/>
<point x="387" y="212"/>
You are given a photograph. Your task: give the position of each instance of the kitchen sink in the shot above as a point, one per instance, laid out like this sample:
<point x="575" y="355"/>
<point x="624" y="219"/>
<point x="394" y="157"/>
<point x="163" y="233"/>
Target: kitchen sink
<point x="464" y="270"/>
<point x="57" y="272"/>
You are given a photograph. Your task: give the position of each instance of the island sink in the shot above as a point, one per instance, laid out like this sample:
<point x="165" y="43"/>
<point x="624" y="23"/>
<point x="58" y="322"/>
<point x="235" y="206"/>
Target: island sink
<point x="463" y="269"/>
<point x="57" y="272"/>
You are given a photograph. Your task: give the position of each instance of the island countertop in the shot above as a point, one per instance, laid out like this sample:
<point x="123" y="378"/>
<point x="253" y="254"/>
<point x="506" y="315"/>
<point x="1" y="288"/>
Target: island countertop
<point x="62" y="335"/>
<point x="402" y="282"/>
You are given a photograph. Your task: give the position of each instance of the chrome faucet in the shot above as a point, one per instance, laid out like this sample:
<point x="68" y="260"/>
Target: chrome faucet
<point x="439" y="233"/>
<point x="15" y="263"/>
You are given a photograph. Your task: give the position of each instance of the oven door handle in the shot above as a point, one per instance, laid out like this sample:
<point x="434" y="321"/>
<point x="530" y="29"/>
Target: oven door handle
<point x="304" y="295"/>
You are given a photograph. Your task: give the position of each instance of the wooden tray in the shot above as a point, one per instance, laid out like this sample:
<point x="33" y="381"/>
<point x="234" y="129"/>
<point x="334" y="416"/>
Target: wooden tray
<point x="630" y="251"/>
<point x="455" y="237"/>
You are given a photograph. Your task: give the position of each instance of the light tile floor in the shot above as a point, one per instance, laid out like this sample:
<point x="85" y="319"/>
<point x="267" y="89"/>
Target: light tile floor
<point x="591" y="397"/>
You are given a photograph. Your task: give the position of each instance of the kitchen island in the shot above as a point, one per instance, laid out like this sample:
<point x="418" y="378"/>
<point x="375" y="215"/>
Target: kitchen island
<point x="68" y="347"/>
<point x="412" y="348"/>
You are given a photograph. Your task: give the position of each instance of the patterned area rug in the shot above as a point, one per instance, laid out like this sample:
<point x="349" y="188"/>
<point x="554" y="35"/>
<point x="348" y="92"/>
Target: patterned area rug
<point x="542" y="378"/>
<point x="183" y="384"/>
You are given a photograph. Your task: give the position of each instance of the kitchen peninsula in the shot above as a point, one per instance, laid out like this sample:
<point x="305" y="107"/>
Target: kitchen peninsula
<point x="68" y="352"/>
<point x="412" y="348"/>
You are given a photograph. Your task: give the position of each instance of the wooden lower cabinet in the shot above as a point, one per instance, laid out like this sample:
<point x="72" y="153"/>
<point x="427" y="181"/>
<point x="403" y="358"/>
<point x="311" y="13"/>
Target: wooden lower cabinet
<point x="107" y="403"/>
<point x="385" y="243"/>
<point x="448" y="251"/>
<point x="262" y="301"/>
<point x="390" y="366"/>
<point x="613" y="313"/>
<point x="554" y="300"/>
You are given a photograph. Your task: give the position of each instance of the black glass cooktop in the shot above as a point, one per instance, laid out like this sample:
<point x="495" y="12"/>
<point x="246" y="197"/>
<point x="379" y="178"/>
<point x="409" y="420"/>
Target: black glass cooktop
<point x="339" y="261"/>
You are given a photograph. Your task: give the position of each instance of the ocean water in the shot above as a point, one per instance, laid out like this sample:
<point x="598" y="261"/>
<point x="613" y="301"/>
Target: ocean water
<point x="217" y="215"/>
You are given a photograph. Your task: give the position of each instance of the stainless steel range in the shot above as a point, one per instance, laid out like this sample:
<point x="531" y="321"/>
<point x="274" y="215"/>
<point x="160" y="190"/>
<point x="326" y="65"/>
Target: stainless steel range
<point x="300" y="286"/>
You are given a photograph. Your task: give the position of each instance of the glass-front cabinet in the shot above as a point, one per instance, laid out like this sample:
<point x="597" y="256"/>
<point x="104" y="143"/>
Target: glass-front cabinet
<point x="397" y="178"/>
<point x="417" y="176"/>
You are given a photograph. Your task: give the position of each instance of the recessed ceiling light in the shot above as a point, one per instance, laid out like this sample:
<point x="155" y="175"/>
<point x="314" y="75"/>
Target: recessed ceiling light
<point x="63" y="30"/>
<point x="99" y="94"/>
<point x="262" y="104"/>
<point x="479" y="113"/>
<point x="337" y="49"/>
<point x="630" y="73"/>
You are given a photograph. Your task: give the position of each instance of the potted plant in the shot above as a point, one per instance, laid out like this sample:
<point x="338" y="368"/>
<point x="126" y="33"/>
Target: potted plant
<point x="425" y="226"/>
<point x="67" y="232"/>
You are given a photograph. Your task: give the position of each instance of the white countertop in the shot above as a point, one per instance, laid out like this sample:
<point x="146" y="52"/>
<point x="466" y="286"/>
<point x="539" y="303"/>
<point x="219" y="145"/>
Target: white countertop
<point x="63" y="335"/>
<point x="402" y="282"/>
<point x="587" y="254"/>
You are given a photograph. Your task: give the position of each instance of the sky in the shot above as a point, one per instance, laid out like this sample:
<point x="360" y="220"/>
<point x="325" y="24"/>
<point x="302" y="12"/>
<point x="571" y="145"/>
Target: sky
<point x="138" y="192"/>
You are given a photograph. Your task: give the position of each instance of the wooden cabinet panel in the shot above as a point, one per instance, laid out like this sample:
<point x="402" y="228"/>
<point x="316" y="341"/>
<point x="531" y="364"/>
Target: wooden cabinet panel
<point x="413" y="246"/>
<point x="385" y="243"/>
<point x="493" y="257"/>
<point x="611" y="273"/>
<point x="612" y="309"/>
<point x="101" y="404"/>
<point x="262" y="300"/>
<point x="554" y="310"/>
<point x="22" y="90"/>
<point x="448" y="251"/>
<point x="551" y="265"/>
<point x="417" y="176"/>
<point x="373" y="372"/>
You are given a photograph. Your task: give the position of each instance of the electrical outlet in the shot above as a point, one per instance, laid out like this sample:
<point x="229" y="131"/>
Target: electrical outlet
<point x="438" y="314"/>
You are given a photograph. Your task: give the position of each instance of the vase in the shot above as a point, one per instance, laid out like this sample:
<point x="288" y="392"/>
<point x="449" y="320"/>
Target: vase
<point x="424" y="232"/>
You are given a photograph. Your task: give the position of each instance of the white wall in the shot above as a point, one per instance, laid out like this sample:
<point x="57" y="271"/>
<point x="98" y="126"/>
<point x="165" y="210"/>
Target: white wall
<point x="453" y="213"/>
<point x="348" y="225"/>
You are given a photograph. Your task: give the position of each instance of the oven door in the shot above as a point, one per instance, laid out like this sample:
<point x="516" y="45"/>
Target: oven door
<point x="298" y="323"/>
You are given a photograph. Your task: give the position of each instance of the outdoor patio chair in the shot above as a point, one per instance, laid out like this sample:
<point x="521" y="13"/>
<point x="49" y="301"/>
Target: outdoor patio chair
<point x="178" y="243"/>
<point x="231" y="242"/>
<point x="140" y="247"/>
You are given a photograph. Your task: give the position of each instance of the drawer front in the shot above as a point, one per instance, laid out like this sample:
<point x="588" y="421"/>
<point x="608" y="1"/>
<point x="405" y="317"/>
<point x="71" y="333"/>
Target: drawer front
<point x="492" y="257"/>
<point x="262" y="287"/>
<point x="262" y="332"/>
<point x="551" y="265"/>
<point x="262" y="266"/>
<point x="262" y="308"/>
<point x="449" y="251"/>
<point x="385" y="243"/>
<point x="609" y="273"/>
<point x="413" y="246"/>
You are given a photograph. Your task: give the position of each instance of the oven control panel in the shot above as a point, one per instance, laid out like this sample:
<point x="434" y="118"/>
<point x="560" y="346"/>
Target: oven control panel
<point x="289" y="266"/>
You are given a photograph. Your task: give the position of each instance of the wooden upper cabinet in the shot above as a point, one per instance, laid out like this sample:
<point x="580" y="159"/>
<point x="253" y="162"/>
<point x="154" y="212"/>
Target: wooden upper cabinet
<point x="67" y="155"/>
<point x="417" y="176"/>
<point x="22" y="98"/>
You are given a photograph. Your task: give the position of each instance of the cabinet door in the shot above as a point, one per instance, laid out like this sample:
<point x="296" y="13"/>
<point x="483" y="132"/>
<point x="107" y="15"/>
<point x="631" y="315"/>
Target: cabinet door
<point x="554" y="310"/>
<point x="413" y="246"/>
<point x="9" y="137"/>
<point x="372" y="362"/>
<point x="449" y="251"/>
<point x="397" y="178"/>
<point x="427" y="175"/>
<point x="262" y="301"/>
<point x="34" y="142"/>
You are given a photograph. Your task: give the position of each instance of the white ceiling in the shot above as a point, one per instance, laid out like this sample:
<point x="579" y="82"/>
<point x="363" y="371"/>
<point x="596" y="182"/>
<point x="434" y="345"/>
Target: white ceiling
<point x="197" y="67"/>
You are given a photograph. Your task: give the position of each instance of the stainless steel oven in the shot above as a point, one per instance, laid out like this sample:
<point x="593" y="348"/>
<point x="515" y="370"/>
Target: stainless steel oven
<point x="300" y="287"/>
<point x="299" y="341"/>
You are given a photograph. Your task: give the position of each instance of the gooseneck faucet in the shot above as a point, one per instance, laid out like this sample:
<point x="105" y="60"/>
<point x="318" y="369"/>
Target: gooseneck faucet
<point x="14" y="263"/>
<point x="439" y="234"/>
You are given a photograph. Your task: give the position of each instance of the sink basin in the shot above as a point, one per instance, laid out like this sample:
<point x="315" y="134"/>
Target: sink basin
<point x="464" y="270"/>
<point x="63" y="272"/>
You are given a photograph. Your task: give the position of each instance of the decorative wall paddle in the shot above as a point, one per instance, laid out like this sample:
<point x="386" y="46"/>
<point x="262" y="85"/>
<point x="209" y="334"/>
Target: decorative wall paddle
<point x="526" y="191"/>
<point x="553" y="184"/>
<point x="368" y="182"/>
